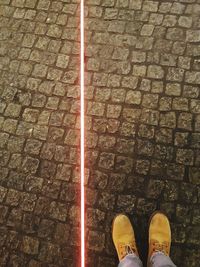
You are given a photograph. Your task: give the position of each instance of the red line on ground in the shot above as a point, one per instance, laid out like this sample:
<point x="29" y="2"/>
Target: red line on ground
<point x="82" y="140"/>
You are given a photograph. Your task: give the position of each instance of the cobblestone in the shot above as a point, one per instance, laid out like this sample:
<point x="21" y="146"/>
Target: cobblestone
<point x="142" y="126"/>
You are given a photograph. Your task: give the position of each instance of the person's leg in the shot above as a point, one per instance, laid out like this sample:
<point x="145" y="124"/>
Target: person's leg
<point x="131" y="260"/>
<point x="159" y="241"/>
<point x="124" y="240"/>
<point x="159" y="259"/>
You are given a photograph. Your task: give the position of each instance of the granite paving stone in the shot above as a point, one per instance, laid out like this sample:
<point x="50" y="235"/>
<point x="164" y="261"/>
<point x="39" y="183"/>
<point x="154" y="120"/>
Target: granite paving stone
<point x="142" y="118"/>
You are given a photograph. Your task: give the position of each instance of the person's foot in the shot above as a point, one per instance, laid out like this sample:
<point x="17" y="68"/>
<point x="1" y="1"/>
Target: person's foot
<point x="159" y="234"/>
<point x="123" y="236"/>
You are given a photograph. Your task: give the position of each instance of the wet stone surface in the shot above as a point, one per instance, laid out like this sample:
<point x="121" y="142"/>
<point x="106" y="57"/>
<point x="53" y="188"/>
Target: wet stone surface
<point x="142" y="122"/>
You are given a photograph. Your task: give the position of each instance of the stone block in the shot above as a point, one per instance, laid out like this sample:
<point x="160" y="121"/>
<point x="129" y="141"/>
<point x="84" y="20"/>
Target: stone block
<point x="30" y="245"/>
<point x="155" y="72"/>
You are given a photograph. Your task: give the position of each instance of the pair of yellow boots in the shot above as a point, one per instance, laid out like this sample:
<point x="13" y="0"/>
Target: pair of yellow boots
<point x="124" y="237"/>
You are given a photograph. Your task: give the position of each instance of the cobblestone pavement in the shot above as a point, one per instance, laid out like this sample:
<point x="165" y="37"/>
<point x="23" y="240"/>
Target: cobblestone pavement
<point x="143" y="127"/>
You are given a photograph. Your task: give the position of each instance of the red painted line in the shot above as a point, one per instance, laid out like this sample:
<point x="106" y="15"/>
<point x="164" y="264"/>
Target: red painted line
<point x="82" y="140"/>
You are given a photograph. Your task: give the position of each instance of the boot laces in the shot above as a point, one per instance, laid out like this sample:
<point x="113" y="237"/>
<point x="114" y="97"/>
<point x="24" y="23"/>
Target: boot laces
<point x="126" y="249"/>
<point x="160" y="247"/>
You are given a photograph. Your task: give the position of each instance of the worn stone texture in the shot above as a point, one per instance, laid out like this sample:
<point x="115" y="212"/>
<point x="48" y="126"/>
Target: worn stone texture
<point x="142" y="120"/>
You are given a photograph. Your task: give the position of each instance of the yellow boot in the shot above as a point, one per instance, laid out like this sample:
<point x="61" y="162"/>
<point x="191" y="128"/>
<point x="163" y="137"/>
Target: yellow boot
<point x="123" y="236"/>
<point x="159" y="234"/>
